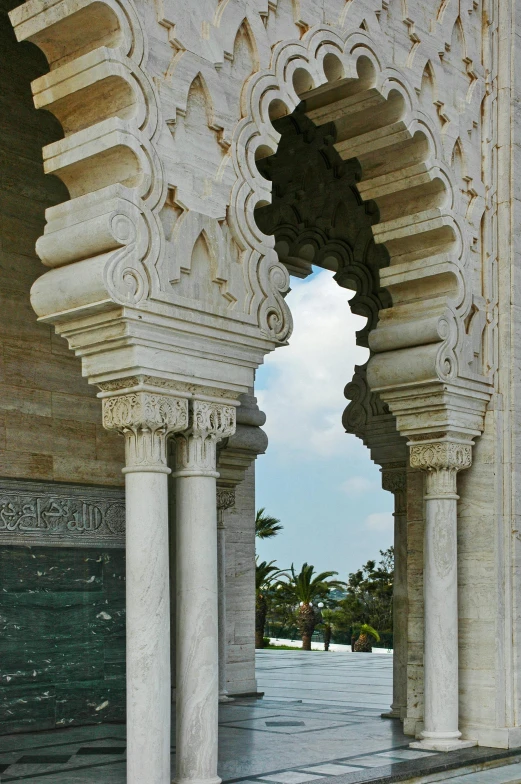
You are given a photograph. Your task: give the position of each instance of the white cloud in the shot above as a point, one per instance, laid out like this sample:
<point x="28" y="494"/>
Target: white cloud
<point x="380" y="521"/>
<point x="356" y="485"/>
<point x="302" y="390"/>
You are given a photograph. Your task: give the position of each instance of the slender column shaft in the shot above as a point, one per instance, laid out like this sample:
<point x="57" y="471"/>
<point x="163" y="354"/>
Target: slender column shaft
<point x="441" y="607"/>
<point x="197" y="640"/>
<point x="221" y="571"/>
<point x="441" y="461"/>
<point x="396" y="482"/>
<point x="225" y="499"/>
<point x="197" y="646"/>
<point x="145" y="420"/>
<point x="172" y="560"/>
<point x="148" y="628"/>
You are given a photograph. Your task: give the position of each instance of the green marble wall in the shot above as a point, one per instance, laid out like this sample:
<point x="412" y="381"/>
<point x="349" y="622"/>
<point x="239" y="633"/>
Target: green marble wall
<point x="62" y="637"/>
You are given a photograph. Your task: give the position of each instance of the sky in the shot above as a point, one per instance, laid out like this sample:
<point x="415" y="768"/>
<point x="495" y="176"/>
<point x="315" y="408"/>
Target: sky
<point x="319" y="481"/>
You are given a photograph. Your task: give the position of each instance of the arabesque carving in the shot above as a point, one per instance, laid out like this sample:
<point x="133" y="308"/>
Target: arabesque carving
<point x="145" y="420"/>
<point x="444" y="455"/>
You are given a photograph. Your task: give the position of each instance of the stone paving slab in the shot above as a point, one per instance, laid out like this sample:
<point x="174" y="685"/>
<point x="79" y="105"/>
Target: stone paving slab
<point x="332" y="733"/>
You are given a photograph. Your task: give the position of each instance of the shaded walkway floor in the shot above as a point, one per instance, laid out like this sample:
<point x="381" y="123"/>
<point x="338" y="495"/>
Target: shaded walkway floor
<point x="319" y="720"/>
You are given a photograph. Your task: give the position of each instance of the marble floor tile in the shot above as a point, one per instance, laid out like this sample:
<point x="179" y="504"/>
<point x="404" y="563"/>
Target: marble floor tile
<point x="373" y="761"/>
<point x="406" y="754"/>
<point x="331" y="769"/>
<point x="333" y="720"/>
<point x="292" y="777"/>
<point x="509" y="774"/>
<point x="44" y="759"/>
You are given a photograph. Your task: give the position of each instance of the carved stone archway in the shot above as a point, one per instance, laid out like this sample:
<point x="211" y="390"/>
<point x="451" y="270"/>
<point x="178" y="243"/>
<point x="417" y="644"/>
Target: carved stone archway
<point x="163" y="283"/>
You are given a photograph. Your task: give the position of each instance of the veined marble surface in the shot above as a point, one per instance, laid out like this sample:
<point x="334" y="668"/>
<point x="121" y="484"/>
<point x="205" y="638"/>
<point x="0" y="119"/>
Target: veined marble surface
<point x="320" y="717"/>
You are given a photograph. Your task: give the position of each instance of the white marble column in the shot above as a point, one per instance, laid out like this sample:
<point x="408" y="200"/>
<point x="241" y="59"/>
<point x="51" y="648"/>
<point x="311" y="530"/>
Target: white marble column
<point x="197" y="645"/>
<point x="225" y="500"/>
<point x="146" y="419"/>
<point x="441" y="461"/>
<point x="395" y="481"/>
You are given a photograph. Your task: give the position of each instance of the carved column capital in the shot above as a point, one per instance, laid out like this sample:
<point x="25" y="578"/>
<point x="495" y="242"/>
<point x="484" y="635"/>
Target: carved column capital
<point x="145" y="419"/>
<point x="441" y="460"/>
<point x="395" y="481"/>
<point x="225" y="498"/>
<point x="436" y="455"/>
<point x="196" y="448"/>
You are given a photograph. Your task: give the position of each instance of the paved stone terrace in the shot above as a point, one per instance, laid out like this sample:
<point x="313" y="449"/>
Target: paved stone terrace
<point x="319" y="720"/>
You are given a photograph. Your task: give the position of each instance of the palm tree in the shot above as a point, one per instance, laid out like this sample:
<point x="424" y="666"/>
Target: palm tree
<point x="328" y="621"/>
<point x="306" y="589"/>
<point x="364" y="644"/>
<point x="265" y="575"/>
<point x="266" y="526"/>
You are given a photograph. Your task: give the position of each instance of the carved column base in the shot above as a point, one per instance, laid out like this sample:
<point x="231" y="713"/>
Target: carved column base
<point x="394" y="713"/>
<point x="442" y="744"/>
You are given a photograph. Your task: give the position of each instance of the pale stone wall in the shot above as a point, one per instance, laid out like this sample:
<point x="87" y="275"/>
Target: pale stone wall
<point x="50" y="419"/>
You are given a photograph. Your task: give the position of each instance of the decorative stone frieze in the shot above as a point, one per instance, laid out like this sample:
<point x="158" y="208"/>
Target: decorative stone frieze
<point x="146" y="420"/>
<point x="48" y="514"/>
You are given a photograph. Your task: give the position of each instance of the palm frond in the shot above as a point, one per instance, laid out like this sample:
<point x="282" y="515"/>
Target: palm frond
<point x="366" y="629"/>
<point x="307" y="586"/>
<point x="266" y="526"/>
<point x="266" y="574"/>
